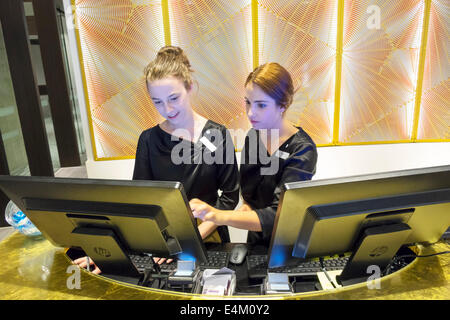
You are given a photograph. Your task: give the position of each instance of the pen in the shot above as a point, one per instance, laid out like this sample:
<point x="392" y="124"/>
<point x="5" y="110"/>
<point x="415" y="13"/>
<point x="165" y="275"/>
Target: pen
<point x="326" y="273"/>
<point x="328" y="277"/>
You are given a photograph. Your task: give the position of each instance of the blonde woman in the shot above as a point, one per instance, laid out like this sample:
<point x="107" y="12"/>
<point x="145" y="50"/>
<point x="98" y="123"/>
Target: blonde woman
<point x="185" y="147"/>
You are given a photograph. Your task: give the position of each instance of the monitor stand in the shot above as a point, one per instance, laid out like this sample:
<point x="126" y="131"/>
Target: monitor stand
<point x="377" y="247"/>
<point x="109" y="254"/>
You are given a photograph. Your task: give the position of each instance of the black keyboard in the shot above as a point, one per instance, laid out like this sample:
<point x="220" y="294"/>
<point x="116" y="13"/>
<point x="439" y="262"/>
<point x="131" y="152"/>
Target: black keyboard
<point x="168" y="267"/>
<point x="257" y="266"/>
<point x="216" y="260"/>
<point x="335" y="263"/>
<point x="141" y="262"/>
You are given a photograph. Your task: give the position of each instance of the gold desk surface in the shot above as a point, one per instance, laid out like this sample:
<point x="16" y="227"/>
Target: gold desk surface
<point x="32" y="268"/>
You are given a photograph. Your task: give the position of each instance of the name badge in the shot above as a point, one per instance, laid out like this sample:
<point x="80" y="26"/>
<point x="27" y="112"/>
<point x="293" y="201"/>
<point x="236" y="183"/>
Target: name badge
<point x="211" y="147"/>
<point x="281" y="154"/>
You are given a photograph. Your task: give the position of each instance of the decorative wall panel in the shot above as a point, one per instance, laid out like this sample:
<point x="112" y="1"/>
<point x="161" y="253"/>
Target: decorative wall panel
<point x="434" y="119"/>
<point x="365" y="71"/>
<point x="379" y="70"/>
<point x="301" y="36"/>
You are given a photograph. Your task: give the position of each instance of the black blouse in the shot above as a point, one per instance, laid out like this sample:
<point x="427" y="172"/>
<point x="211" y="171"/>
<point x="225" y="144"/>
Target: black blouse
<point x="202" y="167"/>
<point x="261" y="182"/>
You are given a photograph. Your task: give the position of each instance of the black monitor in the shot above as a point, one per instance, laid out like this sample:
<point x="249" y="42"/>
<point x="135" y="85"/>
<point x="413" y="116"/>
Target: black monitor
<point x="110" y="219"/>
<point x="370" y="216"/>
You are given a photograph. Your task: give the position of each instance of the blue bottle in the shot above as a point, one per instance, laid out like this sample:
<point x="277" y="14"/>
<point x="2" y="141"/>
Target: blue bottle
<point x="16" y="218"/>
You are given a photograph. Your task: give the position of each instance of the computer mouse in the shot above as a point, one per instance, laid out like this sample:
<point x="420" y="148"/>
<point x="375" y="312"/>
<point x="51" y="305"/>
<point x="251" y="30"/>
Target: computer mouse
<point x="238" y="254"/>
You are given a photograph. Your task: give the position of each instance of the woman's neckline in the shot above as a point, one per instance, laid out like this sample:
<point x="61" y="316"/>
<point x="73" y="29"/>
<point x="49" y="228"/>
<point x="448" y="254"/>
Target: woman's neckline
<point x="200" y="136"/>
<point x="285" y="142"/>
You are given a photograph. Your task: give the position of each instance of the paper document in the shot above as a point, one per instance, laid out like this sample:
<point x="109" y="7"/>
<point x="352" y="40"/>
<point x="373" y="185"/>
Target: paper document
<point x="325" y="283"/>
<point x="217" y="281"/>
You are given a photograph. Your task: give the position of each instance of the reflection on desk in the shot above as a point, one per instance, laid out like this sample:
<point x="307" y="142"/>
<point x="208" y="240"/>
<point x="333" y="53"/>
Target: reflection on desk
<point x="35" y="269"/>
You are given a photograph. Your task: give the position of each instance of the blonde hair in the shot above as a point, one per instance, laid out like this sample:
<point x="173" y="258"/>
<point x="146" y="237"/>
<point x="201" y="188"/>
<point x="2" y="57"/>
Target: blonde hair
<point x="170" y="61"/>
<point x="275" y="81"/>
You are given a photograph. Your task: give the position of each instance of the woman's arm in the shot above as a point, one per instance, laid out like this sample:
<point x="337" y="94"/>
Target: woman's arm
<point x="244" y="218"/>
<point x="300" y="167"/>
<point x="206" y="228"/>
<point x="241" y="219"/>
<point x="227" y="174"/>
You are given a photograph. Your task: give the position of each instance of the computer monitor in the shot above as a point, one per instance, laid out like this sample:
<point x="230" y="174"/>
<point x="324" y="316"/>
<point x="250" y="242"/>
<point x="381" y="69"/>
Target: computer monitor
<point x="371" y="216"/>
<point x="110" y="219"/>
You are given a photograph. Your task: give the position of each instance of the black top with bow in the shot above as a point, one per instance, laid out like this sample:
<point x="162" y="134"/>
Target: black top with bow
<point x="203" y="167"/>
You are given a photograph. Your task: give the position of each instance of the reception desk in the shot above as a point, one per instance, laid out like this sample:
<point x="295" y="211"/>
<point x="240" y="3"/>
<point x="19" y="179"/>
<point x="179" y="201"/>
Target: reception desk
<point x="32" y="268"/>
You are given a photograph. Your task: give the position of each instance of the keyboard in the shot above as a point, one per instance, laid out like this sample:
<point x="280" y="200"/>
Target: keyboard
<point x="216" y="260"/>
<point x="141" y="262"/>
<point x="257" y="266"/>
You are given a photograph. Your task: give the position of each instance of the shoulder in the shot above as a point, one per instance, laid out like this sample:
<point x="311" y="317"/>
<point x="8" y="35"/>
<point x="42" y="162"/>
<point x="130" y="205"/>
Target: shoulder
<point x="213" y="128"/>
<point x="151" y="131"/>
<point x="214" y="125"/>
<point x="301" y="144"/>
<point x="301" y="138"/>
<point x="148" y="134"/>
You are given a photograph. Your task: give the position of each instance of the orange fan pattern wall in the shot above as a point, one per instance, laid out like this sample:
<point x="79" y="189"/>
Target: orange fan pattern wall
<point x="365" y="71"/>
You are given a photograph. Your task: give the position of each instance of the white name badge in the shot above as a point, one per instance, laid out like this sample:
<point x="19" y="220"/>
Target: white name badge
<point x="208" y="144"/>
<point x="281" y="154"/>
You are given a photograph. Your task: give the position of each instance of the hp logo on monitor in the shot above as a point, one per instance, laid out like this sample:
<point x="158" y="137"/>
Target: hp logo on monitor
<point x="102" y="252"/>
<point x="378" y="251"/>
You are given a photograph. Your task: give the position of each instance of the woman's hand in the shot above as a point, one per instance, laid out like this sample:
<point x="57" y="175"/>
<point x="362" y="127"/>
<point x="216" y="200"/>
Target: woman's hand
<point x="83" y="262"/>
<point x="205" y="212"/>
<point x="244" y="218"/>
<point x="160" y="261"/>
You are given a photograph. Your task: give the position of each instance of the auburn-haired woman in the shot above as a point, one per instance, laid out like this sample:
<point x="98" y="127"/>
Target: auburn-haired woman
<point x="275" y="152"/>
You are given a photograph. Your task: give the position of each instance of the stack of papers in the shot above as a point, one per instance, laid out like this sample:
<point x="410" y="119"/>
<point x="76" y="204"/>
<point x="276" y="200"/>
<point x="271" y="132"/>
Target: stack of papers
<point x="217" y="282"/>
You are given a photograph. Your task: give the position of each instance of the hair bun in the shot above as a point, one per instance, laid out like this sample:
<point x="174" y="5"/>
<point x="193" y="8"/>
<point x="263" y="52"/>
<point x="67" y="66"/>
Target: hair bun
<point x="275" y="81"/>
<point x="172" y="53"/>
<point x="170" y="61"/>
